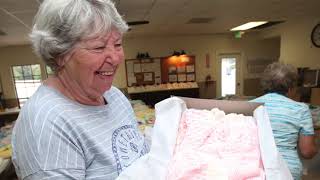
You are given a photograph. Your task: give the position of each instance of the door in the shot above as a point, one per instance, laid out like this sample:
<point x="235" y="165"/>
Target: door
<point x="229" y="75"/>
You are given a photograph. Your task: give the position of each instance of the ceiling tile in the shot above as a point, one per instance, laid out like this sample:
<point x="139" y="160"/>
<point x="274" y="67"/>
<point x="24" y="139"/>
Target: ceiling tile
<point x="26" y="17"/>
<point x="169" y="17"/>
<point x="19" y="5"/>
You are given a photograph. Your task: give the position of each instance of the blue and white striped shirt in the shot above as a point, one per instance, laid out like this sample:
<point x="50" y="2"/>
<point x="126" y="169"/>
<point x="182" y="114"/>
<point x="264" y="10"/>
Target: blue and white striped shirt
<point x="57" y="138"/>
<point x="288" y="119"/>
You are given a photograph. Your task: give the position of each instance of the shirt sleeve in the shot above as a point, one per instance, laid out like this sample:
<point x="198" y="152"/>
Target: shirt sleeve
<point x="57" y="174"/>
<point x="49" y="152"/>
<point x="306" y="123"/>
<point x="60" y="156"/>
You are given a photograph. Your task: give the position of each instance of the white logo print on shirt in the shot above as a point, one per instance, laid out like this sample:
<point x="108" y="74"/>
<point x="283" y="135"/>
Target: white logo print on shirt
<point x="127" y="146"/>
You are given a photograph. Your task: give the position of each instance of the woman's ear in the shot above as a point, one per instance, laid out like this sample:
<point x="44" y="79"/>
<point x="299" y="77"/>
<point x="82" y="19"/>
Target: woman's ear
<point x="63" y="59"/>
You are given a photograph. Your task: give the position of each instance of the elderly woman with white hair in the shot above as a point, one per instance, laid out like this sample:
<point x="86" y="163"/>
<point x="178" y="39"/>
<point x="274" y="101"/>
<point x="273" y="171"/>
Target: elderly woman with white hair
<point x="291" y="121"/>
<point x="77" y="125"/>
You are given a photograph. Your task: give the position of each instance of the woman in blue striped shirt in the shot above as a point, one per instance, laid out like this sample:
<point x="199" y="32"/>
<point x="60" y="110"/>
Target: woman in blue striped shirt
<point x="290" y="120"/>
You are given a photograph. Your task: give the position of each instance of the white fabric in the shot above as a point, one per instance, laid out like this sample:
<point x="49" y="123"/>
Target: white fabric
<point x="168" y="114"/>
<point x="4" y="164"/>
<point x="274" y="165"/>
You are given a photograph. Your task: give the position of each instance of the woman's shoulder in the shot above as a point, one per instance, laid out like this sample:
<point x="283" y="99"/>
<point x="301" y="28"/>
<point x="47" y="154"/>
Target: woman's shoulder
<point x="44" y="97"/>
<point x="44" y="106"/>
<point x="113" y="91"/>
<point x="40" y="111"/>
<point x="278" y="99"/>
<point x="114" y="94"/>
<point x="292" y="103"/>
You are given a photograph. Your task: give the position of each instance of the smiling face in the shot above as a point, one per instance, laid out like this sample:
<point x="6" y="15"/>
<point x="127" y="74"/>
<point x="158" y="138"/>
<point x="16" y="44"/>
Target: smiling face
<point x="91" y="66"/>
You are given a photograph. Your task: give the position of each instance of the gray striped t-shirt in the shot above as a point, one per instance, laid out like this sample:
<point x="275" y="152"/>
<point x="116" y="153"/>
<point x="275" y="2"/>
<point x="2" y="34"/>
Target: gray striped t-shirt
<point x="56" y="138"/>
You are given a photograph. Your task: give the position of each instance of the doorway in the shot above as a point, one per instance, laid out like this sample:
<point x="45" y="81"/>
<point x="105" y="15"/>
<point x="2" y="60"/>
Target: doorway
<point x="229" y="82"/>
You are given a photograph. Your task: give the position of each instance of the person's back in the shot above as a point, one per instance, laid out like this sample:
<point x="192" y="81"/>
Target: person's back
<point x="288" y="119"/>
<point x="291" y="121"/>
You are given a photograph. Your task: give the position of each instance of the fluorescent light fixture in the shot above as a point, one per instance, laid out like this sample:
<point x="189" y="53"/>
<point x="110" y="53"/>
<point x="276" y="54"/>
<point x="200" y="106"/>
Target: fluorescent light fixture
<point x="248" y="25"/>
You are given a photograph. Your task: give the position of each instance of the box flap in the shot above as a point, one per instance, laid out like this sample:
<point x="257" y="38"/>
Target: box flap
<point x="239" y="107"/>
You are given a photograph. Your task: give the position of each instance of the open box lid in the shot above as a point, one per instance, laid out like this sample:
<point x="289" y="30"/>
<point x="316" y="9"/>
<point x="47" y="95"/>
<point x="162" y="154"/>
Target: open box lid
<point x="239" y="107"/>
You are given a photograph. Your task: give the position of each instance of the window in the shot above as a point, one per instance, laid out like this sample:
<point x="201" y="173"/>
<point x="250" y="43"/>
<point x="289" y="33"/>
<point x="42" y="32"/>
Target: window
<point x="27" y="78"/>
<point x="49" y="71"/>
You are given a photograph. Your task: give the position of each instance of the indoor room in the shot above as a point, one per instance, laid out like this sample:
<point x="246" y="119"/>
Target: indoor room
<point x="210" y="49"/>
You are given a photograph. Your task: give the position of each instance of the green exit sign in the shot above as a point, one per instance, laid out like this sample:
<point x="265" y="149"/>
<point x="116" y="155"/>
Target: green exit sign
<point x="238" y="34"/>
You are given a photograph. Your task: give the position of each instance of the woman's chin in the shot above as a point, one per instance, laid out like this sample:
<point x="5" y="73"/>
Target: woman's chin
<point x="104" y="89"/>
<point x="101" y="88"/>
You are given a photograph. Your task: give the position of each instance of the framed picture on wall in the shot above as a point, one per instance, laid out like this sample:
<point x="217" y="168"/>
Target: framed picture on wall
<point x="148" y="76"/>
<point x="173" y="78"/>
<point x="182" y="77"/>
<point x="190" y="68"/>
<point x="143" y="71"/>
<point x="172" y="70"/>
<point x="190" y="77"/>
<point x="136" y="67"/>
<point x="181" y="69"/>
<point x="131" y="79"/>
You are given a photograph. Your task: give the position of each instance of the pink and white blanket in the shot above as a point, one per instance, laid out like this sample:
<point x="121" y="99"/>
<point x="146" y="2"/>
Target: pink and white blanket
<point x="212" y="145"/>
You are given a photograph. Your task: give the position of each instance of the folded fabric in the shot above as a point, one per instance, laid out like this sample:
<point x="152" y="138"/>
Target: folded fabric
<point x="6" y="151"/>
<point x="207" y="138"/>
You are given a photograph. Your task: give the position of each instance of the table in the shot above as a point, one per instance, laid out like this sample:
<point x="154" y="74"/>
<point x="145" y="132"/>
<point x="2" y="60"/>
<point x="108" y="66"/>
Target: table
<point x="8" y="115"/>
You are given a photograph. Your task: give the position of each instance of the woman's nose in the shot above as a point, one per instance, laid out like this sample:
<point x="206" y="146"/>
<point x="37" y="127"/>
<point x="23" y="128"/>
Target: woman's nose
<point x="113" y="55"/>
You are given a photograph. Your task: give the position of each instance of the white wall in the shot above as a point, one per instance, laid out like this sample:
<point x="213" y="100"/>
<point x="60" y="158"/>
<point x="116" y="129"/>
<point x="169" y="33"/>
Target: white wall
<point x="296" y="47"/>
<point x="199" y="46"/>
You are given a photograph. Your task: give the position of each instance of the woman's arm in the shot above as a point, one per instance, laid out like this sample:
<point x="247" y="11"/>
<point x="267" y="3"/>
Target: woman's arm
<point x="307" y="146"/>
<point x="306" y="141"/>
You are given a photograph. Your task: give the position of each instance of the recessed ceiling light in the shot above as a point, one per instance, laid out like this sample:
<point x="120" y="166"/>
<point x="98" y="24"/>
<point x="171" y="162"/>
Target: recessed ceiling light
<point x="248" y="25"/>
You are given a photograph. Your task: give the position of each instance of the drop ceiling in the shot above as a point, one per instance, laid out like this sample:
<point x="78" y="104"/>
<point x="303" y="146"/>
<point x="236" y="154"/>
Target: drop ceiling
<point x="168" y="17"/>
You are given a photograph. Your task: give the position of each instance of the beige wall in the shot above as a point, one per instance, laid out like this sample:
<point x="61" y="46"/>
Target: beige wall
<point x="14" y="55"/>
<point x="296" y="47"/>
<point x="248" y="47"/>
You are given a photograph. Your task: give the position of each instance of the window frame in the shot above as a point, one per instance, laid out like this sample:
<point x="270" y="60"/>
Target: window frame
<point x="47" y="73"/>
<point x="14" y="78"/>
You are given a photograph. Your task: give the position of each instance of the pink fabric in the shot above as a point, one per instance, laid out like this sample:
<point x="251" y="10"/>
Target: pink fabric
<point x="211" y="144"/>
